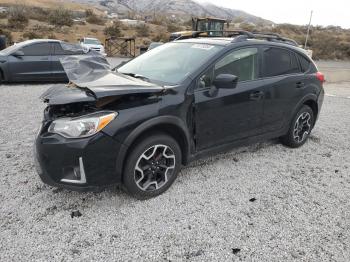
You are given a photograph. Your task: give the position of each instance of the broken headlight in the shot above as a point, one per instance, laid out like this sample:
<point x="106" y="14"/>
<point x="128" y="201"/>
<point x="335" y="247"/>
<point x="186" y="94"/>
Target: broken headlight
<point x="84" y="126"/>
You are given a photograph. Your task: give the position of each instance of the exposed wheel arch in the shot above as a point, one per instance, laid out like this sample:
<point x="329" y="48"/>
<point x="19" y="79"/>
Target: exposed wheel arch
<point x="309" y="100"/>
<point x="313" y="105"/>
<point x="169" y="125"/>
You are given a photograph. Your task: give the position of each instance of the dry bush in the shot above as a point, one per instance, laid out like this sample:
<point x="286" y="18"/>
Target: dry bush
<point x="113" y="30"/>
<point x="32" y="35"/>
<point x="52" y="36"/>
<point x="142" y="30"/>
<point x="330" y="42"/>
<point x="17" y="17"/>
<point x="38" y="13"/>
<point x="60" y="17"/>
<point x="92" y="18"/>
<point x="172" y="27"/>
<point x="159" y="19"/>
<point x="247" y="26"/>
<point x="161" y="37"/>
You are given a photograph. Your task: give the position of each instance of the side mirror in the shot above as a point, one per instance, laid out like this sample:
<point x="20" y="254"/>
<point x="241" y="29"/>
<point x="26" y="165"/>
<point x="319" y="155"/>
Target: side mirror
<point x="225" y="81"/>
<point x="18" y="53"/>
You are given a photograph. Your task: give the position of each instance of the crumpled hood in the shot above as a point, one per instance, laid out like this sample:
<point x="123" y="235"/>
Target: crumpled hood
<point x="91" y="78"/>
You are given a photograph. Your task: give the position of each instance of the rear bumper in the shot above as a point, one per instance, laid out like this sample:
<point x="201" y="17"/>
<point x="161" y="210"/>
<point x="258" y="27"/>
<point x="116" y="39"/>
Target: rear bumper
<point x="87" y="164"/>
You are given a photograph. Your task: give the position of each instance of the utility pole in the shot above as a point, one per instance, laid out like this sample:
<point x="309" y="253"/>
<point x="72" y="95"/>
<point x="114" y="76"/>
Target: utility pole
<point x="308" y="30"/>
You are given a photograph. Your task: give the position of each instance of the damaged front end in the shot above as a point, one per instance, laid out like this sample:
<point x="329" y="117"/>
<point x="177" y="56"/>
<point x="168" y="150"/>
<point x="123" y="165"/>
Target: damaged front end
<point x="72" y="149"/>
<point x="92" y="87"/>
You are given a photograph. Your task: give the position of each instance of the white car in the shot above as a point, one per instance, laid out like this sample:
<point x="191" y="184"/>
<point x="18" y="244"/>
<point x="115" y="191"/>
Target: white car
<point x="93" y="44"/>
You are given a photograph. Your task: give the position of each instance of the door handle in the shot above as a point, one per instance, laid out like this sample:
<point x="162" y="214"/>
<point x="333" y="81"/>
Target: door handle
<point x="44" y="59"/>
<point x="257" y="95"/>
<point x="299" y="84"/>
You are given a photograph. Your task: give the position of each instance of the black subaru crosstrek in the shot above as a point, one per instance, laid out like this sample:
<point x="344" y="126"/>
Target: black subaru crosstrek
<point x="137" y="125"/>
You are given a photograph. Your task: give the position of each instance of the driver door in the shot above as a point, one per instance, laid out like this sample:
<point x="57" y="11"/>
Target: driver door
<point x="33" y="65"/>
<point x="223" y="115"/>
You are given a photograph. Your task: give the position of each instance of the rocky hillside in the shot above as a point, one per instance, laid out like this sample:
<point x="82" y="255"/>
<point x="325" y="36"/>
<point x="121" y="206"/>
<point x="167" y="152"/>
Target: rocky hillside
<point x="182" y="8"/>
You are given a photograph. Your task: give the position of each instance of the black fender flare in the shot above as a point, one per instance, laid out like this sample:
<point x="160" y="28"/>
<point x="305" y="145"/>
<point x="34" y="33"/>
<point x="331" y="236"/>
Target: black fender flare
<point x="308" y="97"/>
<point x="144" y="127"/>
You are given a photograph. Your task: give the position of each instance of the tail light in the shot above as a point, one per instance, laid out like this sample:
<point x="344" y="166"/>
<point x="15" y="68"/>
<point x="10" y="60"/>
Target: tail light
<point x="320" y="77"/>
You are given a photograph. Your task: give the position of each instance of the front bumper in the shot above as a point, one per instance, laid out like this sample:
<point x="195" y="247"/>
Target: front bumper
<point x="84" y="164"/>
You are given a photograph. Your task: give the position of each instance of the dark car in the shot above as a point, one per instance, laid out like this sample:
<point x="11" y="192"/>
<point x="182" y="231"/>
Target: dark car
<point x="36" y="60"/>
<point x="176" y="103"/>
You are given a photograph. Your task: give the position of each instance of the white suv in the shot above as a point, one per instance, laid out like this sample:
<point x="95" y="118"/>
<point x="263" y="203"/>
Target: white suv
<point x="93" y="44"/>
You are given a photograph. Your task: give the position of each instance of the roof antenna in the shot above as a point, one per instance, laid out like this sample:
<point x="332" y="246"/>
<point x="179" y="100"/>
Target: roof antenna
<point x="308" y="30"/>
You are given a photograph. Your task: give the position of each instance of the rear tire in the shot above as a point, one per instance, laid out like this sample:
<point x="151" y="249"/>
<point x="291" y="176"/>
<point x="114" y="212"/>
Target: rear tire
<point x="300" y="128"/>
<point x="152" y="166"/>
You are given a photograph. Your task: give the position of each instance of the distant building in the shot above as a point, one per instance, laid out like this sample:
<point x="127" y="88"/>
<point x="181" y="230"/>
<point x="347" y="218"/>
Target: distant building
<point x="132" y="22"/>
<point x="113" y="16"/>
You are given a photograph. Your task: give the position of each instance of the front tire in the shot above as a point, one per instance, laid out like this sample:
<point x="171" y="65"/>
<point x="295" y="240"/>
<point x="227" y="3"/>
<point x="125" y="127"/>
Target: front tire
<point x="152" y="166"/>
<point x="300" y="128"/>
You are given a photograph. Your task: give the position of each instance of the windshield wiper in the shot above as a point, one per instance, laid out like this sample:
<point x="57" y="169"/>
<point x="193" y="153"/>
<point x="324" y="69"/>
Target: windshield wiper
<point x="137" y="76"/>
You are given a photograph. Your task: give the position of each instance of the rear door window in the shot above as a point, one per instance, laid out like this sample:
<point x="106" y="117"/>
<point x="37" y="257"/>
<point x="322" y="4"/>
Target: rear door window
<point x="278" y="61"/>
<point x="67" y="49"/>
<point x="39" y="49"/>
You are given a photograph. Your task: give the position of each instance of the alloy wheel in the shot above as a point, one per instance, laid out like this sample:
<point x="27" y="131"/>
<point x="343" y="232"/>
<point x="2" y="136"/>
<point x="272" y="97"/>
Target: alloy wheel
<point x="302" y="127"/>
<point x="154" y="167"/>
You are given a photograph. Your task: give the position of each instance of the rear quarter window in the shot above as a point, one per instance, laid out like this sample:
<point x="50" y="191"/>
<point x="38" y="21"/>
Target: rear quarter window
<point x="67" y="49"/>
<point x="279" y="61"/>
<point x="304" y="63"/>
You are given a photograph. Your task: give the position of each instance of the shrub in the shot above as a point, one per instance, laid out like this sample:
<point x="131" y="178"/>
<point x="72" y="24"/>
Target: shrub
<point x="161" y="37"/>
<point x="89" y="12"/>
<point x="187" y="23"/>
<point x="37" y="13"/>
<point x="171" y="27"/>
<point x="247" y="26"/>
<point x="113" y="30"/>
<point x="32" y="35"/>
<point x="92" y="18"/>
<point x="17" y="17"/>
<point x="142" y="30"/>
<point x="52" y="36"/>
<point x="95" y="20"/>
<point x="61" y="17"/>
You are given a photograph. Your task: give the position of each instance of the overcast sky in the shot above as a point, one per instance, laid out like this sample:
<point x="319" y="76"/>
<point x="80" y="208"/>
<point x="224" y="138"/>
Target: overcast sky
<point x="326" y="12"/>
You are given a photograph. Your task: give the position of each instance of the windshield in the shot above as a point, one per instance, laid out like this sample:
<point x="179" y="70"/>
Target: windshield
<point x="89" y="41"/>
<point x="12" y="48"/>
<point x="170" y="63"/>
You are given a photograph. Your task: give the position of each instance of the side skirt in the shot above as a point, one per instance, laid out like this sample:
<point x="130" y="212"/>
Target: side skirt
<point x="226" y="147"/>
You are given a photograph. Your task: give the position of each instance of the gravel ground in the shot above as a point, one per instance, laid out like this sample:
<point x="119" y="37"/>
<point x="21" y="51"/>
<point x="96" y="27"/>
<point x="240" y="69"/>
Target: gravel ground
<point x="263" y="202"/>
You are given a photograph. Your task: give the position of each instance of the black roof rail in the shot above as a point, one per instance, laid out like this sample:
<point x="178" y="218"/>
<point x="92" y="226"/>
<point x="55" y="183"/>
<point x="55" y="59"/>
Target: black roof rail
<point x="273" y="37"/>
<point x="242" y="35"/>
